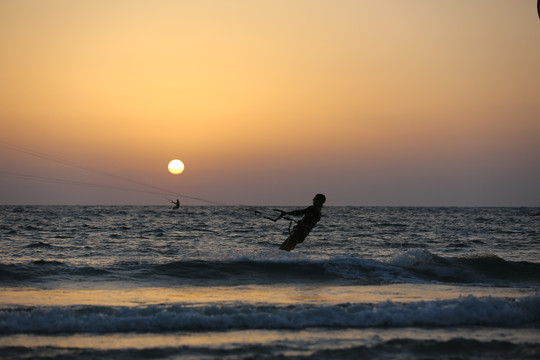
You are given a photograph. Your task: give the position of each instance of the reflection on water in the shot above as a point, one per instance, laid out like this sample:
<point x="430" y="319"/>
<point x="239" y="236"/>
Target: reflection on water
<point x="249" y="294"/>
<point x="316" y="338"/>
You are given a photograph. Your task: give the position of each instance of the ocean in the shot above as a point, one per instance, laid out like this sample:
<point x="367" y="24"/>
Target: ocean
<point x="208" y="282"/>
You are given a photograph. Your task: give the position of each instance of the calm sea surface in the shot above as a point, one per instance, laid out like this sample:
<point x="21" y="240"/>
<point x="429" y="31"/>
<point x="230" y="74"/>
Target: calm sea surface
<point x="209" y="282"/>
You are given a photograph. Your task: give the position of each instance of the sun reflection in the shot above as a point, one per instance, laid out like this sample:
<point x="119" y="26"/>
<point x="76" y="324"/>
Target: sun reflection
<point x="253" y="294"/>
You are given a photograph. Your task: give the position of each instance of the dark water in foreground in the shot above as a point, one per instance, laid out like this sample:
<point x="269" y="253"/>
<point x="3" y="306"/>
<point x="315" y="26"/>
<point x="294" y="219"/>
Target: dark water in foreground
<point x="209" y="282"/>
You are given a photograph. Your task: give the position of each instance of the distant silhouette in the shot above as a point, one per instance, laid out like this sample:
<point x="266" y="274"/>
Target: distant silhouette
<point x="312" y="215"/>
<point x="538" y="7"/>
<point x="176" y="204"/>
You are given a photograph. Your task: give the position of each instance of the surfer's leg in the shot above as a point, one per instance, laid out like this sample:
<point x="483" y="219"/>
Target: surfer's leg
<point x="292" y="245"/>
<point x="296" y="238"/>
<point x="286" y="245"/>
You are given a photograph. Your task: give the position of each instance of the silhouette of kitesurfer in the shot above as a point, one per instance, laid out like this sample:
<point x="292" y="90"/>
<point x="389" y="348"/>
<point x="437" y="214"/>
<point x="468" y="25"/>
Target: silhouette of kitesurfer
<point x="312" y="215"/>
<point x="176" y="204"/>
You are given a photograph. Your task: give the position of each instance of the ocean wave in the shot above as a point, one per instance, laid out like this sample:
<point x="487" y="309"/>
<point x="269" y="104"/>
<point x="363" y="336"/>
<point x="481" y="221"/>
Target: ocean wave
<point x="246" y="270"/>
<point x="39" y="244"/>
<point x="469" y="311"/>
<point x="458" y="348"/>
<point x="414" y="266"/>
<point x="399" y="349"/>
<point x="394" y="349"/>
<point x="482" y="268"/>
<point x="43" y="270"/>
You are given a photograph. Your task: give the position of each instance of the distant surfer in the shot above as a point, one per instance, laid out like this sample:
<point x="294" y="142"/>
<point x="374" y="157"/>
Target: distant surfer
<point x="312" y="215"/>
<point x="176" y="204"/>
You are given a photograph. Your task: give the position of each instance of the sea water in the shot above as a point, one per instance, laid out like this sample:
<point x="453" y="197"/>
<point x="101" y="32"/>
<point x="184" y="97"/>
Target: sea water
<point x="209" y="282"/>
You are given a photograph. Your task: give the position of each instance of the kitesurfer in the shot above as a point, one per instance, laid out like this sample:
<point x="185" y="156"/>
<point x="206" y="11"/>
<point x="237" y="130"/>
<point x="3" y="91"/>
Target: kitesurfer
<point x="176" y="204"/>
<point x="312" y="215"/>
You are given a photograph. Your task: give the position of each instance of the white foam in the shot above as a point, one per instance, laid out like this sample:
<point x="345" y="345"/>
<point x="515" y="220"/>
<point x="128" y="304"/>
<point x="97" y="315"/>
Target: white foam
<point x="468" y="310"/>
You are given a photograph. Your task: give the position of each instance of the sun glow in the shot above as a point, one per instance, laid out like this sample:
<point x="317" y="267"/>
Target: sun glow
<point x="176" y="167"/>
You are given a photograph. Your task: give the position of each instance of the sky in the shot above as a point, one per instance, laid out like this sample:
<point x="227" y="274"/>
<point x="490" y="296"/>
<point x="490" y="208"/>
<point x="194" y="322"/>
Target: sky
<point x="373" y="103"/>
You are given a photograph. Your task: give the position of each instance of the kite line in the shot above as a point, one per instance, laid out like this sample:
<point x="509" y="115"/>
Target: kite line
<point x="152" y="189"/>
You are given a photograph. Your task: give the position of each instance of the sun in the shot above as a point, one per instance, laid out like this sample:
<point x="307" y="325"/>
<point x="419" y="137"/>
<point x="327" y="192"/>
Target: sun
<point x="176" y="167"/>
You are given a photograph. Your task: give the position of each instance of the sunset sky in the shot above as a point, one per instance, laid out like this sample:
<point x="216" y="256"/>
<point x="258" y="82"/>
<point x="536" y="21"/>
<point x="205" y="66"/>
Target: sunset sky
<point x="395" y="102"/>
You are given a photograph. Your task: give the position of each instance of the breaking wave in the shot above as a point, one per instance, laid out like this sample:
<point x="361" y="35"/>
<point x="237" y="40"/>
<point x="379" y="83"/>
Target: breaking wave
<point x="468" y="310"/>
<point x="415" y="266"/>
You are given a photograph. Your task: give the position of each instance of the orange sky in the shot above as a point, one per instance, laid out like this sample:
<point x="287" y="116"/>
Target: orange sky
<point x="268" y="102"/>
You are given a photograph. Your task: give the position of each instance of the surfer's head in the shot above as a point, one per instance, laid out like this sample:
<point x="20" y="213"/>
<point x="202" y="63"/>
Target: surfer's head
<point x="319" y="200"/>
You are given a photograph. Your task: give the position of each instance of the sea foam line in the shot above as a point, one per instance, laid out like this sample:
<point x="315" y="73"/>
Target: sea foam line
<point x="468" y="310"/>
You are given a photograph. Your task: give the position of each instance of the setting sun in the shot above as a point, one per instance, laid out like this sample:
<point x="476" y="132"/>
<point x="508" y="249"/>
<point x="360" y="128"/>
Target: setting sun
<point x="176" y="167"/>
<point x="401" y="105"/>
